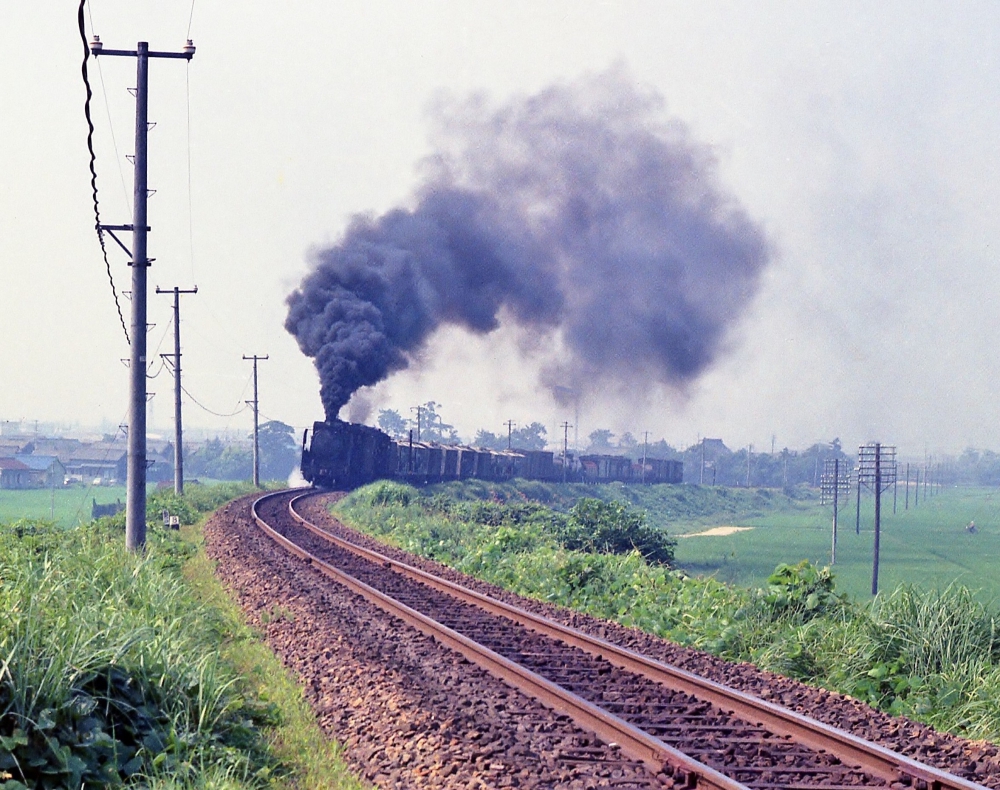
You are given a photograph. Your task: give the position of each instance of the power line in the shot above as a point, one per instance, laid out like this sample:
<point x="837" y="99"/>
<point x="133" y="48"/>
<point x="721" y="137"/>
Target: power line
<point x="201" y="406"/>
<point x="93" y="165"/>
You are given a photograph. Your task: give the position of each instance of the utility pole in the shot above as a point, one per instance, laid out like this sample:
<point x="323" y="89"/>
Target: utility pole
<point x="701" y="478"/>
<point x="857" y="512"/>
<point x="135" y="499"/>
<point x="878" y="516"/>
<point x="510" y="426"/>
<point x="565" y="426"/>
<point x="417" y="409"/>
<point x="749" y="454"/>
<point x="256" y="421"/>
<point x="833" y="483"/>
<point x="178" y="433"/>
<point x="877" y="470"/>
<point x="645" y="442"/>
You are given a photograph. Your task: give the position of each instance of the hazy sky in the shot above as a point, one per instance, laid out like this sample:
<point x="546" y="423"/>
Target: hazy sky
<point x="862" y="138"/>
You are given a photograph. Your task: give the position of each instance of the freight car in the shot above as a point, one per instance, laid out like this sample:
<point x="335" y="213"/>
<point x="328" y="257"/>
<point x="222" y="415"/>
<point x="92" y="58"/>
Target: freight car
<point x="345" y="455"/>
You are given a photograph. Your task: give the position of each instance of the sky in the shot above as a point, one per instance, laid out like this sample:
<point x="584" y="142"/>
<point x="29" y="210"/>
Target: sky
<point x="861" y="138"/>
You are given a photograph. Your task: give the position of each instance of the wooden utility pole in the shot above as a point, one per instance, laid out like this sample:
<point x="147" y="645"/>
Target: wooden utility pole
<point x="701" y="479"/>
<point x="256" y="420"/>
<point x="565" y="426"/>
<point x="178" y="433"/>
<point x="135" y="497"/>
<point x="418" y="410"/>
<point x="510" y="427"/>
<point x="645" y="443"/>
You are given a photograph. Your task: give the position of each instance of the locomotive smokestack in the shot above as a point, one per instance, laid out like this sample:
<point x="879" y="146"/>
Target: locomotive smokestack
<point x="578" y="210"/>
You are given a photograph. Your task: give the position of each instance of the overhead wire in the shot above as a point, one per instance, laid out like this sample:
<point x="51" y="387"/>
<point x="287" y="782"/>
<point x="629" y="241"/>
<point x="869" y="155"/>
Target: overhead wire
<point x="201" y="406"/>
<point x="93" y="164"/>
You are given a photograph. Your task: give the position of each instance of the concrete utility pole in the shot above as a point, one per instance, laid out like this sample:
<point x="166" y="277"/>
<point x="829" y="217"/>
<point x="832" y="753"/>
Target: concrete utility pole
<point x="135" y="502"/>
<point x="878" y="516"/>
<point x="256" y="420"/>
<point x="836" y="497"/>
<point x="178" y="433"/>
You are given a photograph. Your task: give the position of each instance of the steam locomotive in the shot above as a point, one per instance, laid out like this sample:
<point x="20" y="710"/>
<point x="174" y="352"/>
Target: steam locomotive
<point x="346" y="455"/>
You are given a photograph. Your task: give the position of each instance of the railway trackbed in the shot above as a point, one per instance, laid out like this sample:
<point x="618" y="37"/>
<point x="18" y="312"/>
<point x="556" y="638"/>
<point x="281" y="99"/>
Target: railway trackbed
<point x="695" y="731"/>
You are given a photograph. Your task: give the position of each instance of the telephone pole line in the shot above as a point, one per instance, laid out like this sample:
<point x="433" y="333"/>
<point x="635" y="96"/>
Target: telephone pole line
<point x="256" y="420"/>
<point x="178" y="432"/>
<point x="135" y="499"/>
<point x="565" y="426"/>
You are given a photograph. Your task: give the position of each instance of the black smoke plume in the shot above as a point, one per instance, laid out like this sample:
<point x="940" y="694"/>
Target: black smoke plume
<point x="577" y="212"/>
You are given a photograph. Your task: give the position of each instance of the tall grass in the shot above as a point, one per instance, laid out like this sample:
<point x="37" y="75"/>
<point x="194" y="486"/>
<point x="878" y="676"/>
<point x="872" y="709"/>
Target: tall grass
<point x="933" y="655"/>
<point x="109" y="667"/>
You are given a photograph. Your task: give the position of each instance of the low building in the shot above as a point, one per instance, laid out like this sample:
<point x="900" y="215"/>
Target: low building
<point x="104" y="461"/>
<point x="14" y="474"/>
<point x="46" y="471"/>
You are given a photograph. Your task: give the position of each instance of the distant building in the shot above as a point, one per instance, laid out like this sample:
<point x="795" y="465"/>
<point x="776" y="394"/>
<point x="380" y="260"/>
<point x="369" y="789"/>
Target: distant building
<point x="45" y="471"/>
<point x="14" y="474"/>
<point x="104" y="461"/>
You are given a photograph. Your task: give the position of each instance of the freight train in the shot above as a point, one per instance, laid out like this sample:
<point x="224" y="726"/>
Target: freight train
<point x="346" y="455"/>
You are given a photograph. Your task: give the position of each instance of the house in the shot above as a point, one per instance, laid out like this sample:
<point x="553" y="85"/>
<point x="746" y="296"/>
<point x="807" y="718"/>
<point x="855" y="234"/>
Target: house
<point x="104" y="461"/>
<point x="14" y="474"/>
<point x="45" y="471"/>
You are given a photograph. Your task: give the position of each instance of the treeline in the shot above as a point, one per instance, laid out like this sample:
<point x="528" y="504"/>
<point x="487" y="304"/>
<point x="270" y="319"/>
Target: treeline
<point x="219" y="460"/>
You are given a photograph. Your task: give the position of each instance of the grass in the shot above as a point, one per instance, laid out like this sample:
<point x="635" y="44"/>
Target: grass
<point x="66" y="507"/>
<point x="930" y="653"/>
<point x="124" y="669"/>
<point x="927" y="545"/>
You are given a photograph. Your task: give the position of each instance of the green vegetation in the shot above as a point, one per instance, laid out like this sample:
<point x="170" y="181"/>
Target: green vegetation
<point x="928" y="545"/>
<point x="67" y="507"/>
<point x="931" y="654"/>
<point x="122" y="669"/>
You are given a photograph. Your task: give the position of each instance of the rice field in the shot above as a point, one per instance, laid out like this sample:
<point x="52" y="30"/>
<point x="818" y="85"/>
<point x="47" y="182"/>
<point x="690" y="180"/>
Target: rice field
<point x="929" y="545"/>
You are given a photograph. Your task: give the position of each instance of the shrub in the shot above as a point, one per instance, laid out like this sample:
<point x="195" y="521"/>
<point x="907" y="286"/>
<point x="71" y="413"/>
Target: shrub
<point x="615" y="528"/>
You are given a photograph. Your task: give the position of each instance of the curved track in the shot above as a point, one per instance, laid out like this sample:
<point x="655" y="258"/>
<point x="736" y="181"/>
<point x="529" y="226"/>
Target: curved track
<point x="699" y="732"/>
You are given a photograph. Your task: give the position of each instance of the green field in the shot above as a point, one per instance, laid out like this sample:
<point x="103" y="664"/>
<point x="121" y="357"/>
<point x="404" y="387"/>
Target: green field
<point x="926" y="545"/>
<point x="67" y="507"/>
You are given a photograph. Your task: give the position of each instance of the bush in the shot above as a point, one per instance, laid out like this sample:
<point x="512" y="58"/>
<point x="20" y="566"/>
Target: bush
<point x="614" y="528"/>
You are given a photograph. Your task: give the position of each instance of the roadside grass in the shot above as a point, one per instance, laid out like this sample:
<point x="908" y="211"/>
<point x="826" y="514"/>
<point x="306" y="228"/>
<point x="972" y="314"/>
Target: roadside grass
<point x="119" y="669"/>
<point x="932" y="654"/>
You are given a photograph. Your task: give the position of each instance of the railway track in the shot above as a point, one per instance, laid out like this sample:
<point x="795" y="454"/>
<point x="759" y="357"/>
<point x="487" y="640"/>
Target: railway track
<point x="699" y="733"/>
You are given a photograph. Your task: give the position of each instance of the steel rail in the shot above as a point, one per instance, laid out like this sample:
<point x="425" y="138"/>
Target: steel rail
<point x="632" y="741"/>
<point x="850" y="749"/>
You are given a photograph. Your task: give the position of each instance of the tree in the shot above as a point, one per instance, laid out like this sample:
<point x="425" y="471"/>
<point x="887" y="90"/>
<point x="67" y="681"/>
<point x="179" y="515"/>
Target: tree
<point x="219" y="461"/>
<point x="530" y="437"/>
<point x="392" y="422"/>
<point x="489" y="440"/>
<point x="279" y="451"/>
<point x="600" y="440"/>
<point x="433" y="428"/>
